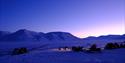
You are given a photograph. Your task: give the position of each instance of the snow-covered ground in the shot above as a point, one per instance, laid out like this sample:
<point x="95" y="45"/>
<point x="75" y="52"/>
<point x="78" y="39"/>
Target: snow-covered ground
<point x="7" y="47"/>
<point x="108" y="56"/>
<point x="43" y="52"/>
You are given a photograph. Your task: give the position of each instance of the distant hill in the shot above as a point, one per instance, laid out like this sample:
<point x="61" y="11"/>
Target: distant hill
<point x="110" y="37"/>
<point x="105" y="38"/>
<point x="27" y="35"/>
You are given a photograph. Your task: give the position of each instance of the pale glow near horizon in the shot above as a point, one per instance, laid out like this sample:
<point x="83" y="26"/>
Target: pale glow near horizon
<point x="106" y="30"/>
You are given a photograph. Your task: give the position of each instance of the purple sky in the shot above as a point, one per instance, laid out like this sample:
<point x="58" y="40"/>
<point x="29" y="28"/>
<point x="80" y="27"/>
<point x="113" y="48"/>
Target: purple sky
<point x="80" y="17"/>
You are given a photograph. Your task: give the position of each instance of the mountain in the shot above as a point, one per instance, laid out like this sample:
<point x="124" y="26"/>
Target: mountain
<point x="106" y="38"/>
<point x="26" y="35"/>
<point x="60" y="36"/>
<point x="22" y="35"/>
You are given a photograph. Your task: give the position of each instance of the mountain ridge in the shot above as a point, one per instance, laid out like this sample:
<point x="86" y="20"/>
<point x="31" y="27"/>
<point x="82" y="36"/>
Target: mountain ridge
<point x="27" y="35"/>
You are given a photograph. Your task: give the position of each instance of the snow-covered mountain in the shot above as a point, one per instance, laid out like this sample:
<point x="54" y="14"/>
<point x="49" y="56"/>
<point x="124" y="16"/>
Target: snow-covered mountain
<point x="105" y="38"/>
<point x="22" y="35"/>
<point x="60" y="36"/>
<point x="26" y="35"/>
<point x="111" y="37"/>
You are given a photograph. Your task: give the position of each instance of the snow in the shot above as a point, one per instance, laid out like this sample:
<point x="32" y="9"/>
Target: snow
<point x="27" y="35"/>
<point x="108" y="56"/>
<point x="46" y="52"/>
<point x="43" y="48"/>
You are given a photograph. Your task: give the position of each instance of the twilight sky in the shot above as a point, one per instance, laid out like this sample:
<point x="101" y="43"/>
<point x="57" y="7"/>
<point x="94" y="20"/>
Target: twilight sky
<point x="82" y="18"/>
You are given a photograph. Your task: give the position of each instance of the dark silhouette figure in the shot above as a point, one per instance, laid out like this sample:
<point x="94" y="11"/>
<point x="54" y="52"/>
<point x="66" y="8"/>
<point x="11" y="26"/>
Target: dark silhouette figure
<point x="94" y="48"/>
<point x="18" y="51"/>
<point x="109" y="46"/>
<point x="116" y="45"/>
<point x="77" y="49"/>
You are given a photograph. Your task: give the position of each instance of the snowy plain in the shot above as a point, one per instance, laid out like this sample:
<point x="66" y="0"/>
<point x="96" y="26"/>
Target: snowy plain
<point x="44" y="53"/>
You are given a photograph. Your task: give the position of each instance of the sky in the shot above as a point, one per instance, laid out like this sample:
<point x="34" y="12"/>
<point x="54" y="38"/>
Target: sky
<point x="81" y="18"/>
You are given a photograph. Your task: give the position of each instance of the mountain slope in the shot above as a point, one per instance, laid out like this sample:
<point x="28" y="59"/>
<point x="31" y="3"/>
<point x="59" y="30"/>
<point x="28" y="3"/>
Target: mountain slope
<point x="21" y="35"/>
<point x="26" y="35"/>
<point x="60" y="36"/>
<point x="105" y="39"/>
<point x="110" y="37"/>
